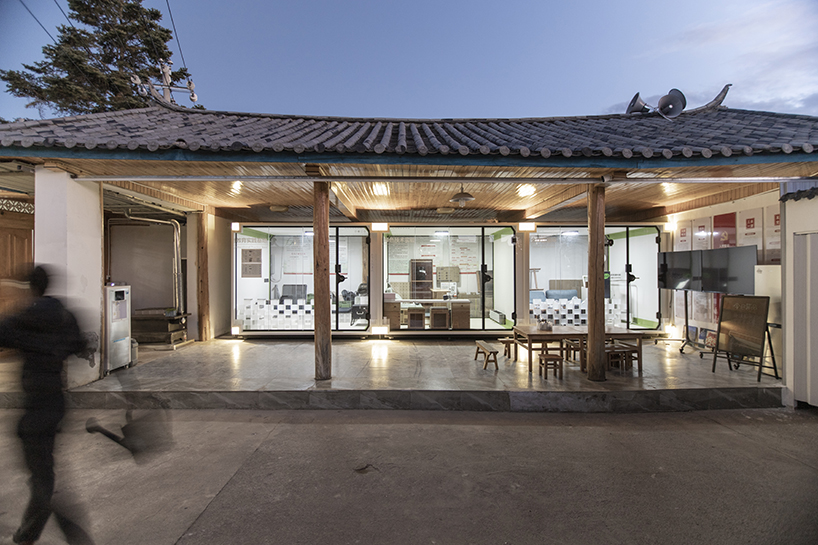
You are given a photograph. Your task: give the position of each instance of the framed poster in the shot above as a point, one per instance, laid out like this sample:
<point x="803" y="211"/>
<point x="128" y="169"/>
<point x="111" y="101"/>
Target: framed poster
<point x="749" y="230"/>
<point x="724" y="230"/>
<point x="683" y="237"/>
<point x="772" y="234"/>
<point x="702" y="229"/>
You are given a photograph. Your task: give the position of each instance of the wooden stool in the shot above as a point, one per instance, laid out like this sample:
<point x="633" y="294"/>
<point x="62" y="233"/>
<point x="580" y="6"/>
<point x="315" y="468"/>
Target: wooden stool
<point x="489" y="351"/>
<point x="507" y="342"/>
<point x="550" y="361"/>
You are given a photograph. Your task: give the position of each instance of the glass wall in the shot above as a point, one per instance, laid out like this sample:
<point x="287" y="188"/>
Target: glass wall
<point x="456" y="278"/>
<point x="274" y="283"/>
<point x="558" y="261"/>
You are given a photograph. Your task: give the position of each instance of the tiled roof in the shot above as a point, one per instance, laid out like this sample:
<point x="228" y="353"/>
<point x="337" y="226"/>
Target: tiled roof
<point x="706" y="132"/>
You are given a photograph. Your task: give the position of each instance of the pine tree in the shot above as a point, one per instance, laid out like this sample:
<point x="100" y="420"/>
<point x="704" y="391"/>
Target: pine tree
<point x="89" y="69"/>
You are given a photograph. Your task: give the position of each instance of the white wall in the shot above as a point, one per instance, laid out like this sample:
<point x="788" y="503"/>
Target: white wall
<point x="218" y="264"/>
<point x="701" y="312"/>
<point x="142" y="257"/>
<point x="68" y="239"/>
<point x="504" y="275"/>
<point x="800" y="304"/>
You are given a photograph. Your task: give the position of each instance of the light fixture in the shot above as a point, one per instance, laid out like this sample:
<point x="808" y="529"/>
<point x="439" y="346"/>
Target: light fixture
<point x="445" y="210"/>
<point x="380" y="188"/>
<point x="441" y="233"/>
<point x="235" y="187"/>
<point x="279" y="208"/>
<point x="528" y="226"/>
<point x="235" y="226"/>
<point x="380" y="227"/>
<point x="526" y="190"/>
<point x="462" y="198"/>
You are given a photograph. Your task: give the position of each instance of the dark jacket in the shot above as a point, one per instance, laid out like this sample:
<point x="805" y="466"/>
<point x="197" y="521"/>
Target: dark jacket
<point x="45" y="333"/>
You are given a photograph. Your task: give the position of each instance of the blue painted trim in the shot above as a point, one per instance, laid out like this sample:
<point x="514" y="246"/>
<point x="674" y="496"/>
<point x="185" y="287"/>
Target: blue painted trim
<point x="407" y="159"/>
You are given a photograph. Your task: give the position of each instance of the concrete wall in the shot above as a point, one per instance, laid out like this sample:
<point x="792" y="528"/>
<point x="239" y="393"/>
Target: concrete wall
<point x="800" y="300"/>
<point x="68" y="239"/>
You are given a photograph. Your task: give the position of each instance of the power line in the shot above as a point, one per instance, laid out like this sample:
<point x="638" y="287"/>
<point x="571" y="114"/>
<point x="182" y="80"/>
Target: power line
<point x="38" y="22"/>
<point x="178" y="40"/>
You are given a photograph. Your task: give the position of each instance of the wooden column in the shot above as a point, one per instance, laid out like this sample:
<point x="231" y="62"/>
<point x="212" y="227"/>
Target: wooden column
<point x="203" y="278"/>
<point x="596" y="282"/>
<point x="320" y="250"/>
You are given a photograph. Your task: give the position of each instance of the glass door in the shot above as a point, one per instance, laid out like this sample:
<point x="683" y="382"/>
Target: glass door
<point x="349" y="278"/>
<point x="631" y="256"/>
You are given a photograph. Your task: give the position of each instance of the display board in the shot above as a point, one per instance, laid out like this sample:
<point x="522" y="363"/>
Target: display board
<point x="742" y="325"/>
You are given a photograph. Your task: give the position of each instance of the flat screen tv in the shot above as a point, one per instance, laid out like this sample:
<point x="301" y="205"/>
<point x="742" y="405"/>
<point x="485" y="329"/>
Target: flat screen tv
<point x="680" y="270"/>
<point x="729" y="270"/>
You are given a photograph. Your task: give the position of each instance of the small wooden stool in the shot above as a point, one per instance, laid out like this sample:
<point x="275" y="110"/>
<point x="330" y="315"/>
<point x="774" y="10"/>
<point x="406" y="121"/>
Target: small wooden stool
<point x="550" y="361"/>
<point x="489" y="351"/>
<point x="507" y="342"/>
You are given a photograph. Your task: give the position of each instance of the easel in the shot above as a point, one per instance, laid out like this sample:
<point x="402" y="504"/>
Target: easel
<point x="744" y="317"/>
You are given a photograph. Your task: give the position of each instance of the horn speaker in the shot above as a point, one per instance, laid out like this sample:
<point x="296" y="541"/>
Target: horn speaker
<point x="637" y="105"/>
<point x="672" y="104"/>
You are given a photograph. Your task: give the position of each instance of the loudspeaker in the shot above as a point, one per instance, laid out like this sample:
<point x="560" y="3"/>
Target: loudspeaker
<point x="637" y="105"/>
<point x="672" y="104"/>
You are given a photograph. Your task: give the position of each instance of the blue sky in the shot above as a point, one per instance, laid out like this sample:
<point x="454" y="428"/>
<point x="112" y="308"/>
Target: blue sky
<point x="468" y="58"/>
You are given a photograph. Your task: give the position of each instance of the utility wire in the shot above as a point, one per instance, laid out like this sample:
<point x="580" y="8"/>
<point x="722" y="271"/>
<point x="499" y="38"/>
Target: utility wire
<point x="38" y="22"/>
<point x="79" y="70"/>
<point x="178" y="41"/>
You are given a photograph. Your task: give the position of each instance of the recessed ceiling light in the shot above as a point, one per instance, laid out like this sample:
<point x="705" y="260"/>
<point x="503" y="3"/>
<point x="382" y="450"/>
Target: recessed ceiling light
<point x="279" y="208"/>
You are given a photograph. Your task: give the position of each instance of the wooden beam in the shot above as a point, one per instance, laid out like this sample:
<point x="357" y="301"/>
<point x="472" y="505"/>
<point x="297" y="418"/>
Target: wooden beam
<point x="321" y="313"/>
<point x="342" y="202"/>
<point x="203" y="278"/>
<point x="596" y="282"/>
<point x="570" y="195"/>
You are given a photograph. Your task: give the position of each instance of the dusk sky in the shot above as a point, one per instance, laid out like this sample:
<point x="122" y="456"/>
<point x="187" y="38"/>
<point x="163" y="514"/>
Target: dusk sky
<point x="468" y="58"/>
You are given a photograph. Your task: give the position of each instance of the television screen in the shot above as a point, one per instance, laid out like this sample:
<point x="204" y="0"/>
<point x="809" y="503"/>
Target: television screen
<point x="680" y="270"/>
<point x="729" y="270"/>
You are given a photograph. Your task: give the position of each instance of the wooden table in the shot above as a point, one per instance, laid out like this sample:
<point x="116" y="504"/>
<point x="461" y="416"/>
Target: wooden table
<point x="528" y="335"/>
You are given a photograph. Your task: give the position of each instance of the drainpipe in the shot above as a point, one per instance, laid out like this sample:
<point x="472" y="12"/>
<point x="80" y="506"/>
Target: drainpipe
<point x="177" y="258"/>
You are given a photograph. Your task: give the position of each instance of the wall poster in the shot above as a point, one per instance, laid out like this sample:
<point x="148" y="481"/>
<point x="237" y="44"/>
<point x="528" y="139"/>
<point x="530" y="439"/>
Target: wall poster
<point x="683" y="236"/>
<point x="772" y="234"/>
<point x="724" y="230"/>
<point x="702" y="229"/>
<point x="750" y="231"/>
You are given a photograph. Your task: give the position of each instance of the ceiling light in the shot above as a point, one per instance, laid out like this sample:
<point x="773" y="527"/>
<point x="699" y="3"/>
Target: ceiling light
<point x="526" y="190"/>
<point x="462" y="198"/>
<point x="380" y="227"/>
<point x="236" y="187"/>
<point x="445" y="210"/>
<point x="279" y="208"/>
<point x="441" y="233"/>
<point x="528" y="226"/>
<point x="380" y="188"/>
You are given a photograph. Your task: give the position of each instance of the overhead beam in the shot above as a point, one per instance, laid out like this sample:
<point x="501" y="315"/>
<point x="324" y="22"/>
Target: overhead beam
<point x="571" y="195"/>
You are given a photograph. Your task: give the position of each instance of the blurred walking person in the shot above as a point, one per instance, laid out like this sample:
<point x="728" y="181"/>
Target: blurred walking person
<point x="45" y="333"/>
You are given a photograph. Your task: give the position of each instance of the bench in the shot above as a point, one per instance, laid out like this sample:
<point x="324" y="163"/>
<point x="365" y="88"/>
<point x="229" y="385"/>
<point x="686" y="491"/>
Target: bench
<point x="507" y="342"/>
<point x="489" y="351"/>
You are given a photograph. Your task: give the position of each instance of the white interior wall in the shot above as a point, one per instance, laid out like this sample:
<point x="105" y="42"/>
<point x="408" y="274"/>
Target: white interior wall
<point x="761" y="200"/>
<point x="504" y="275"/>
<point x="142" y="257"/>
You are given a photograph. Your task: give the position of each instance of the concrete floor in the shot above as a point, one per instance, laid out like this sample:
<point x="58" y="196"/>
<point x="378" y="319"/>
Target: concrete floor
<point x="413" y="477"/>
<point x="251" y="365"/>
<point x="228" y="373"/>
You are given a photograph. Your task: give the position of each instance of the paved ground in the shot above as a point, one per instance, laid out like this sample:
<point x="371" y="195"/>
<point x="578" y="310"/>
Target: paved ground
<point x="413" y="477"/>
